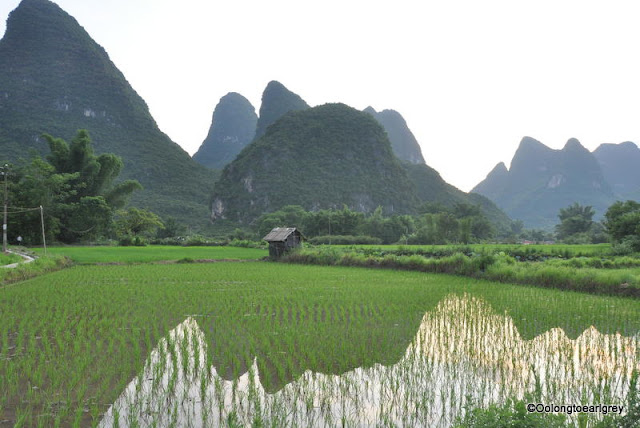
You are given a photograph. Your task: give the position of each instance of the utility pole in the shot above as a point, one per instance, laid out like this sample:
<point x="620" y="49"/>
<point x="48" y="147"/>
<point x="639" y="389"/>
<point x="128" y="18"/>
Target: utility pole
<point x="5" y="172"/>
<point x="44" y="240"/>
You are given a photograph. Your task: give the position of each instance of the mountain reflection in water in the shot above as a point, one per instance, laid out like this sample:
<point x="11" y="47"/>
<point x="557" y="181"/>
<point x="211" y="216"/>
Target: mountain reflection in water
<point x="463" y="353"/>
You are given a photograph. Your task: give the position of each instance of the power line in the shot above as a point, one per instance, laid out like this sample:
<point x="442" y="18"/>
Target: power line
<point x="24" y="208"/>
<point x="17" y="210"/>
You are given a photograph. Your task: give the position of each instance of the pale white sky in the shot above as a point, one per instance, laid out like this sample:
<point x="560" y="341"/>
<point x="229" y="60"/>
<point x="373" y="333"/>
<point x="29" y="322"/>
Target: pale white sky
<point x="470" y="77"/>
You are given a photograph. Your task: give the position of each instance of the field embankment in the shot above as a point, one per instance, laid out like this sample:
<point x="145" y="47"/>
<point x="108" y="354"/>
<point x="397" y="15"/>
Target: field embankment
<point x="41" y="264"/>
<point x="588" y="269"/>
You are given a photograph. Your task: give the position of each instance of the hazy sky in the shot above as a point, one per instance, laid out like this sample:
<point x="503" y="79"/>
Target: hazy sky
<point x="470" y="77"/>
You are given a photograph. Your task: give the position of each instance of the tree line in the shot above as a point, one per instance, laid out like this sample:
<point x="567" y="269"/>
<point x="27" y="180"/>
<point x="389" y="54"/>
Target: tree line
<point x="463" y="223"/>
<point x="83" y="201"/>
<point x="620" y="226"/>
<point x="79" y="194"/>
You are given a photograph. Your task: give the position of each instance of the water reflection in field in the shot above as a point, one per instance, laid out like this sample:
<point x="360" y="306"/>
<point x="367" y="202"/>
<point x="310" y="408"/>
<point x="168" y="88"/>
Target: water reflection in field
<point x="463" y="354"/>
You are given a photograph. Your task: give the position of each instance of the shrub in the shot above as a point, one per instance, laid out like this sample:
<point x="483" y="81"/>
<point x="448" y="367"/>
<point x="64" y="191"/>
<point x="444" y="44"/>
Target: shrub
<point x="172" y="240"/>
<point x="623" y="248"/>
<point x="345" y="240"/>
<point x="245" y="243"/>
<point x="201" y="241"/>
<point x="132" y="241"/>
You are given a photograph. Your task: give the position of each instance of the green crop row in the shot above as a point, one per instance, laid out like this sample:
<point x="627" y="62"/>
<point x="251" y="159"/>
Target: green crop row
<point x="72" y="340"/>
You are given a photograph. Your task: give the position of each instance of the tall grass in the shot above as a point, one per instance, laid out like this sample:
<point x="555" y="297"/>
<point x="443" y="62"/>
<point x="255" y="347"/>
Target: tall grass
<point x="37" y="267"/>
<point x="610" y="278"/>
<point x="9" y="258"/>
<point x="532" y="251"/>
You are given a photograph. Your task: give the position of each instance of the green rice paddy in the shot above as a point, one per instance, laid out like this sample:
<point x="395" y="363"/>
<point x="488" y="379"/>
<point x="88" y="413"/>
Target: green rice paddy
<point x="153" y="253"/>
<point x="74" y="341"/>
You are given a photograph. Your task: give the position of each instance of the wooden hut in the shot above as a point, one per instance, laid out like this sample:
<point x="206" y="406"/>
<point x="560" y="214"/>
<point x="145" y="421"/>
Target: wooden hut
<point x="283" y="239"/>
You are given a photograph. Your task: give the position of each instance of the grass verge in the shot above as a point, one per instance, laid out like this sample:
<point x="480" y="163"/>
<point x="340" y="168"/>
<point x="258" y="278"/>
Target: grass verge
<point x="37" y="267"/>
<point x="577" y="275"/>
<point x="7" y="259"/>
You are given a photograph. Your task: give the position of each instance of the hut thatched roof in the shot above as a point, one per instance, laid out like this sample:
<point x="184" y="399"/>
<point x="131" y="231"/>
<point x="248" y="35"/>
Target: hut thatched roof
<point x="279" y="234"/>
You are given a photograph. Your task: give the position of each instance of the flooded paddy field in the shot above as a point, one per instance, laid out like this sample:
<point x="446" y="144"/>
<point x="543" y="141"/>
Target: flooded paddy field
<point x="290" y="345"/>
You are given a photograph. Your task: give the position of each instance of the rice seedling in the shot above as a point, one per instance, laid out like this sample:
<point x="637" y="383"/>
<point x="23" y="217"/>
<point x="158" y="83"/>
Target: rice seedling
<point x="480" y="359"/>
<point x="278" y="344"/>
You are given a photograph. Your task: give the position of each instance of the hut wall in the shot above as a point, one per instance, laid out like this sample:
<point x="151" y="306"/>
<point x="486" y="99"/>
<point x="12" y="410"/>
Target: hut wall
<point x="276" y="249"/>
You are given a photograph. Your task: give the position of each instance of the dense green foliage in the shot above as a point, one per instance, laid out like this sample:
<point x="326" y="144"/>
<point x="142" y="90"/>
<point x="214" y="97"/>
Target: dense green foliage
<point x="574" y="219"/>
<point x="622" y="222"/>
<point x="344" y="240"/>
<point x="80" y="335"/>
<point x="541" y="181"/>
<point x="134" y="224"/>
<point x="54" y="78"/>
<point x="577" y="226"/>
<point x="436" y="195"/>
<point x="233" y="126"/>
<point x="527" y="252"/>
<point x="76" y="189"/>
<point x="463" y="223"/>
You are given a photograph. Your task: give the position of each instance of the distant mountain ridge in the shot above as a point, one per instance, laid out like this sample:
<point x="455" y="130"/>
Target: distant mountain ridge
<point x="233" y="126"/>
<point x="55" y="79"/>
<point x="620" y="165"/>
<point x="404" y="144"/>
<point x="277" y="100"/>
<point x="542" y="180"/>
<point x="324" y="157"/>
<point x="318" y="158"/>
<point x="233" y="120"/>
